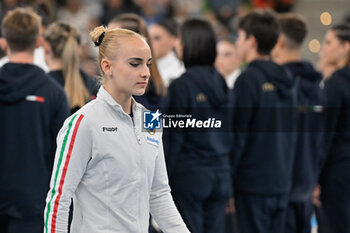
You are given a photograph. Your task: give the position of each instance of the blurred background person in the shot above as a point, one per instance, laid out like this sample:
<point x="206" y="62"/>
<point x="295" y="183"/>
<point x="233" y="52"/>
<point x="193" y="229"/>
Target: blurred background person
<point x="330" y="56"/>
<point x="264" y="124"/>
<point x="309" y="153"/>
<point x="33" y="108"/>
<point x="84" y="17"/>
<point x="334" y="213"/>
<point x="228" y="65"/>
<point x="164" y="35"/>
<point x="61" y="42"/>
<point x="227" y="61"/>
<point x="44" y="12"/>
<point x="76" y="13"/>
<point x="198" y="161"/>
<point x="156" y="90"/>
<point x="112" y="8"/>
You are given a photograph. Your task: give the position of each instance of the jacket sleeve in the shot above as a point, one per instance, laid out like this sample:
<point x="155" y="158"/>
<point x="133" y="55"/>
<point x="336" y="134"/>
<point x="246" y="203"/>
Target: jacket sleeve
<point x="72" y="155"/>
<point x="162" y="206"/>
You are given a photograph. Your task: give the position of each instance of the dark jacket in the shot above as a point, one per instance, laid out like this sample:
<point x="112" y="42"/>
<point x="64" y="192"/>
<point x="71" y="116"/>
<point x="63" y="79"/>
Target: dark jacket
<point x="33" y="108"/>
<point x="337" y="166"/>
<point x="202" y="94"/>
<point x="309" y="153"/>
<point x="265" y="124"/>
<point x="91" y="84"/>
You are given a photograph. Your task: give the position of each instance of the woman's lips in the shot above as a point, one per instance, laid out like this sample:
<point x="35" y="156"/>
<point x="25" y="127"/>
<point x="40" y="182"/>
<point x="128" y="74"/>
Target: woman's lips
<point x="142" y="84"/>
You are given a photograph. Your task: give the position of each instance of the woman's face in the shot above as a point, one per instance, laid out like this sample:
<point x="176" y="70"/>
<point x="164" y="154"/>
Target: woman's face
<point x="162" y="41"/>
<point x="226" y="59"/>
<point x="333" y="51"/>
<point x="129" y="72"/>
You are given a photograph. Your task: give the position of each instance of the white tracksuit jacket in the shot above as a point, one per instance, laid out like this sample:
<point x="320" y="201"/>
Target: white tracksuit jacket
<point x="115" y="173"/>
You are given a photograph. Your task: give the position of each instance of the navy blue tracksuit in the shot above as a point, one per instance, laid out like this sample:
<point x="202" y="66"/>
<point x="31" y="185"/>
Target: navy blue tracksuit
<point x="309" y="153"/>
<point x="198" y="159"/>
<point x="334" y="214"/>
<point x="33" y="108"/>
<point x="265" y="123"/>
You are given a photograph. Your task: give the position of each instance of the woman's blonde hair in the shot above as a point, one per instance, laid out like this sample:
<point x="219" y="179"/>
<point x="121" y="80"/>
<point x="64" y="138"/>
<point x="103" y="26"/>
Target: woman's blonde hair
<point x="108" y="41"/>
<point x="64" y="40"/>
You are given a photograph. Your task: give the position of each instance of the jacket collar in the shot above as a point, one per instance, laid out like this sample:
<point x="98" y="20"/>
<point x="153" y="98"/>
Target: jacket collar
<point x="105" y="96"/>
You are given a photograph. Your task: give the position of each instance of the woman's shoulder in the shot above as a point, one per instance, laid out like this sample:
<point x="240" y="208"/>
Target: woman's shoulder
<point x="342" y="73"/>
<point x="183" y="80"/>
<point x="92" y="109"/>
<point x="340" y="78"/>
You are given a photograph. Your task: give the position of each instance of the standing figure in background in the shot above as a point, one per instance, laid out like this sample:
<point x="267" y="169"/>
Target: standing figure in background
<point x="265" y="123"/>
<point x="61" y="43"/>
<point x="309" y="153"/>
<point x="228" y="64"/>
<point x="227" y="61"/>
<point x="33" y="108"/>
<point x="156" y="90"/>
<point x="334" y="213"/>
<point x="164" y="35"/>
<point x="198" y="159"/>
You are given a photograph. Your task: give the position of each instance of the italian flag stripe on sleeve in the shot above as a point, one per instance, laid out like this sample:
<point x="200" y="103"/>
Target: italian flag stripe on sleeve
<point x="60" y="172"/>
<point x="35" y="98"/>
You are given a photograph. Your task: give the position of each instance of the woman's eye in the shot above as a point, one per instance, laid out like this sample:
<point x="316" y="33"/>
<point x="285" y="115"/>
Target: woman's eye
<point x="149" y="65"/>
<point x="134" y="64"/>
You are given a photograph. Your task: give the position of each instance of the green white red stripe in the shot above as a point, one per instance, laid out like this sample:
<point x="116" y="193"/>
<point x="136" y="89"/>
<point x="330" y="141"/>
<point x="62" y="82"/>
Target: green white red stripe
<point x="61" y="171"/>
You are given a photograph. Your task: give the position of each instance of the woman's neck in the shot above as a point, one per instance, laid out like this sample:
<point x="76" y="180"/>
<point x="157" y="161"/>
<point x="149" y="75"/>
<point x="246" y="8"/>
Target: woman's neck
<point x="124" y="100"/>
<point x="54" y="64"/>
<point x="342" y="63"/>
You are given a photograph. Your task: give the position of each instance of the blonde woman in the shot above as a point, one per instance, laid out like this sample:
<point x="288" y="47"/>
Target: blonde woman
<point x="61" y="44"/>
<point x="114" y="171"/>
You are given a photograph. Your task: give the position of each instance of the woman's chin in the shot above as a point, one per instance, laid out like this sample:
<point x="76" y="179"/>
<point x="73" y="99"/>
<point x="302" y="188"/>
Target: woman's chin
<point x="139" y="93"/>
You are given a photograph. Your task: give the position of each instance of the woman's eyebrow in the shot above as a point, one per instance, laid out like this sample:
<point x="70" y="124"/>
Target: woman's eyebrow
<point x="139" y="59"/>
<point x="136" y="58"/>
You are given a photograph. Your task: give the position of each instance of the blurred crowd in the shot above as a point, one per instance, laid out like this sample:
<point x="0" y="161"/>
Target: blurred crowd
<point x="87" y="14"/>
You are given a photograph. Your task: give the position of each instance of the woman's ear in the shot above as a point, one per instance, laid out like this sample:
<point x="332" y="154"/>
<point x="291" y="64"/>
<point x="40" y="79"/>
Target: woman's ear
<point x="106" y="67"/>
<point x="281" y="41"/>
<point x="47" y="47"/>
<point x="252" y="41"/>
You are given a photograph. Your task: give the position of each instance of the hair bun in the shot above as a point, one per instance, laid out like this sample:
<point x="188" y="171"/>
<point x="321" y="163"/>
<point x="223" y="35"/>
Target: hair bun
<point x="97" y="35"/>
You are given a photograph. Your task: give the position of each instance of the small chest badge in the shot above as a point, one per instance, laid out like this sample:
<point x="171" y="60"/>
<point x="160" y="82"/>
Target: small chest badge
<point x="152" y="140"/>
